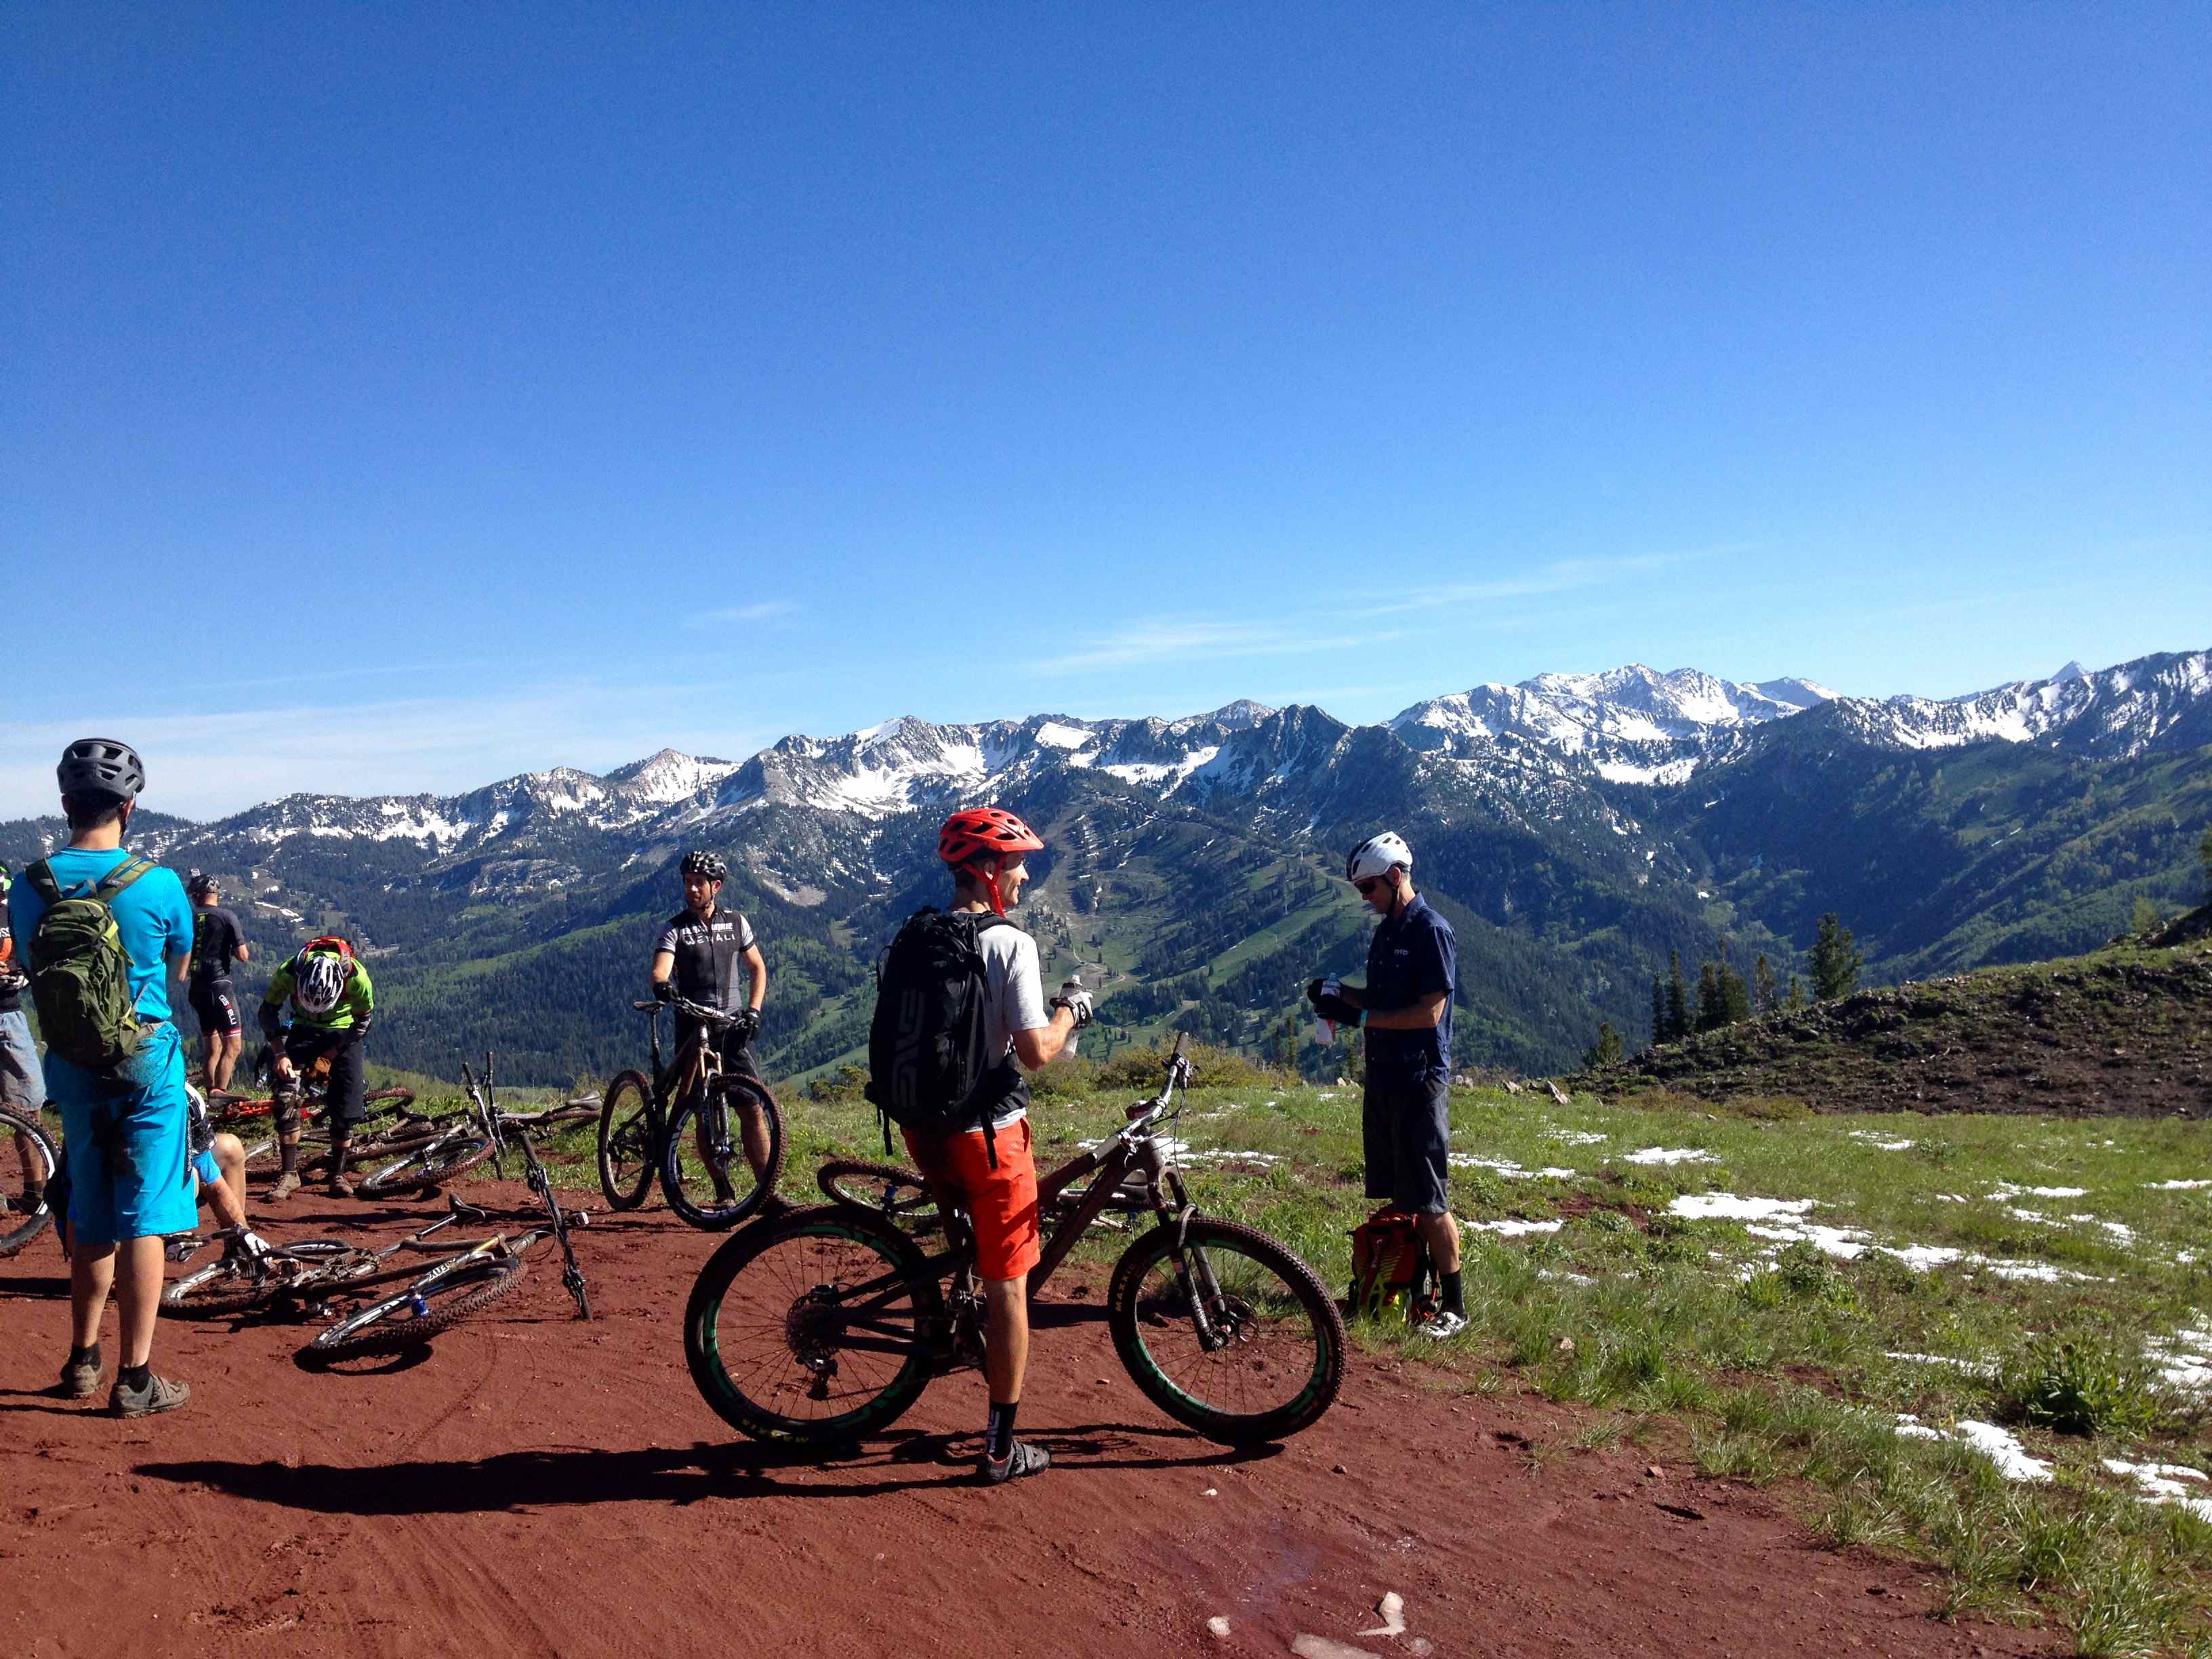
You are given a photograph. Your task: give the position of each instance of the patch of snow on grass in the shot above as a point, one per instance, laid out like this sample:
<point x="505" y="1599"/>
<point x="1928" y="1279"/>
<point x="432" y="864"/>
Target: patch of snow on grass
<point x="1881" y="1143"/>
<point x="1727" y="1207"/>
<point x="2005" y="1189"/>
<point x="1671" y="1155"/>
<point x="1999" y="1445"/>
<point x="1589" y="1137"/>
<point x="2162" y="1483"/>
<point x="1511" y="1229"/>
<point x="1508" y="1168"/>
<point x="2176" y="1186"/>
<point x="1971" y="1367"/>
<point x="2184" y="1360"/>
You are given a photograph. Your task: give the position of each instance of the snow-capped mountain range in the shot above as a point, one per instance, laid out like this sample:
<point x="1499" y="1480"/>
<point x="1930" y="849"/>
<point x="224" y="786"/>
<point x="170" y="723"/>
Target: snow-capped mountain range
<point x="1627" y="726"/>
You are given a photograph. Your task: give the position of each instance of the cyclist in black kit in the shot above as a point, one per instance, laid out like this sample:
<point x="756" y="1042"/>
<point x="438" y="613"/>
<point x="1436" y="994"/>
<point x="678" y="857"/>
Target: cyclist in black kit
<point x="707" y="955"/>
<point x="217" y="943"/>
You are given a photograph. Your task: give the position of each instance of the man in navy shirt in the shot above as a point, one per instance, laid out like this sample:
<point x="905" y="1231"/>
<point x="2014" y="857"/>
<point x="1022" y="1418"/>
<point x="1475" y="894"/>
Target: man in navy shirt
<point x="1405" y="1009"/>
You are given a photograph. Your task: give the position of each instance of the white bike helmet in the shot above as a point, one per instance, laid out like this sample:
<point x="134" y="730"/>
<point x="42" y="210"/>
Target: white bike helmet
<point x="1378" y="856"/>
<point x="320" y="982"/>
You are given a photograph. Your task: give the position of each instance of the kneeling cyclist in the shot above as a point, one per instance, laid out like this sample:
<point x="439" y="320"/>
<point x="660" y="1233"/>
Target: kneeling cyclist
<point x="331" y="1001"/>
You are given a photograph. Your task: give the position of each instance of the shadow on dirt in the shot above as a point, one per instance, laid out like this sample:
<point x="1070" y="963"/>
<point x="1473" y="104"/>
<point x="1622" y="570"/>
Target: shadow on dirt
<point x="527" y="1479"/>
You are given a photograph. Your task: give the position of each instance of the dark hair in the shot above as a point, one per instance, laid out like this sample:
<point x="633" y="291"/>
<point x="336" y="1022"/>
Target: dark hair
<point x="90" y="809"/>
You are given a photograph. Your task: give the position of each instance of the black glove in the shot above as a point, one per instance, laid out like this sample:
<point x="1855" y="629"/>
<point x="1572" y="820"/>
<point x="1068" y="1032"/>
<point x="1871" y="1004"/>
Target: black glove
<point x="663" y="991"/>
<point x="358" y="1033"/>
<point x="1318" y="988"/>
<point x="1335" y="1009"/>
<point x="746" y="1024"/>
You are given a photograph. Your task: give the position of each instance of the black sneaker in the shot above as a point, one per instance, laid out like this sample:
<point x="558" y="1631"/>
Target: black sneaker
<point x="159" y="1394"/>
<point x="1025" y="1459"/>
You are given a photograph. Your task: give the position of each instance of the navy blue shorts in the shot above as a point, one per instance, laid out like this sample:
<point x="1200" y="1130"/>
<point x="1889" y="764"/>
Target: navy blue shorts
<point x="1407" y="1131"/>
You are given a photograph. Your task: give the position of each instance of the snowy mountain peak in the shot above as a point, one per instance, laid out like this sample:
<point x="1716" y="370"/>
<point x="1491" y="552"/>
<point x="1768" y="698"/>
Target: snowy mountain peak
<point x="2073" y="671"/>
<point x="670" y="775"/>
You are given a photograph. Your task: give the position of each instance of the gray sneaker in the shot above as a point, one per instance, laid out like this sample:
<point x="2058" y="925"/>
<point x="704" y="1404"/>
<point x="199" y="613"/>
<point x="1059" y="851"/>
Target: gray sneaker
<point x="287" y="1184"/>
<point x="159" y="1394"/>
<point x="81" y="1377"/>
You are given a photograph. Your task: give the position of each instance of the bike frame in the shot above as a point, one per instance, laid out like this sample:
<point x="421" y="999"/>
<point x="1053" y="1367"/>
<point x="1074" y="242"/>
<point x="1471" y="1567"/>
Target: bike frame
<point x="500" y="1127"/>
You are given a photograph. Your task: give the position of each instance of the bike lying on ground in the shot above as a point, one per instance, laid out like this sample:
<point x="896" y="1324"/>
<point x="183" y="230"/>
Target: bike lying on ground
<point x="828" y="1323"/>
<point x="715" y="1137"/>
<point x="459" y="1142"/>
<point x="27" y="1162"/>
<point x="310" y="1088"/>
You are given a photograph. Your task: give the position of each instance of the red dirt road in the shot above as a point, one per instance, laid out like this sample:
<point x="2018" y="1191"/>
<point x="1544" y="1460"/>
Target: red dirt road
<point x="537" y="1485"/>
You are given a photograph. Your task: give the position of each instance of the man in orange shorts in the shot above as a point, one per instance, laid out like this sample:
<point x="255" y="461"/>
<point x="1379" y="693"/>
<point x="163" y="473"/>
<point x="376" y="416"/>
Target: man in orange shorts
<point x="993" y="1171"/>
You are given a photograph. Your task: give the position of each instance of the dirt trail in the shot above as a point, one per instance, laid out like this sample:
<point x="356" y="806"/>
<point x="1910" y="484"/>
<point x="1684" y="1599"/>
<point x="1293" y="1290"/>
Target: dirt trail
<point x="536" y="1486"/>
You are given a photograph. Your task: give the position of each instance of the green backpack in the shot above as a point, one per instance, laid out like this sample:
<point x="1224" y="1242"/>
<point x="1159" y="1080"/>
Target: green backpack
<point x="80" y="972"/>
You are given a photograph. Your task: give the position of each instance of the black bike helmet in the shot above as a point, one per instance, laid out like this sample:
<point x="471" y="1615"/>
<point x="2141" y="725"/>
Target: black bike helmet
<point x="700" y="862"/>
<point x="199" y="882"/>
<point x="100" y="766"/>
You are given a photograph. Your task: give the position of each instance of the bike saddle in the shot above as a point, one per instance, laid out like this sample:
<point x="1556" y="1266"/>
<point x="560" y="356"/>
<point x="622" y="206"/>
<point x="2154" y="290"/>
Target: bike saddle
<point x="646" y="1007"/>
<point x="466" y="1211"/>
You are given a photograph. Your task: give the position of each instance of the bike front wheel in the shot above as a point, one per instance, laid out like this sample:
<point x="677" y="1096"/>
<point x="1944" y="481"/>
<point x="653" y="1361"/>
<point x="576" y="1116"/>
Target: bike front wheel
<point x="813" y="1329"/>
<point x="236" y="1285"/>
<point x="724" y="1152"/>
<point x="437" y="1300"/>
<point x="426" y="1167"/>
<point x="27" y="1168"/>
<point x="626" y="1147"/>
<point x="1226" y="1331"/>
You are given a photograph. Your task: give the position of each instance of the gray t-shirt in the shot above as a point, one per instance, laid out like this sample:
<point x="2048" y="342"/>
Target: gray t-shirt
<point x="1016" y="1001"/>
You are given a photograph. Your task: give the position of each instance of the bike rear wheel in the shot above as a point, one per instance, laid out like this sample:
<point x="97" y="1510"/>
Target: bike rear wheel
<point x="232" y="1285"/>
<point x="716" y="1176"/>
<point x="24" y="1213"/>
<point x="426" y="1167"/>
<point x="898" y="1195"/>
<point x="435" y="1301"/>
<point x="626" y="1147"/>
<point x="1276" y="1359"/>
<point x="814" y="1328"/>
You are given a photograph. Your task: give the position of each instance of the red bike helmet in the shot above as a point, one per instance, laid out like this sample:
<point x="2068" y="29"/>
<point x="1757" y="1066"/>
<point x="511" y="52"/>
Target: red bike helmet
<point x="986" y="829"/>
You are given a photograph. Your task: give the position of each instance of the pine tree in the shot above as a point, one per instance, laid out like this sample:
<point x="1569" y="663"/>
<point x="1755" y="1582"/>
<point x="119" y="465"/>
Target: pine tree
<point x="1712" y="1011"/>
<point x="1763" y="1000"/>
<point x="1835" y="960"/>
<point x="1796" y="994"/>
<point x="2204" y="852"/>
<point x="1606" y="1051"/>
<point x="1658" y="1011"/>
<point x="1678" y="1001"/>
<point x="1735" y="995"/>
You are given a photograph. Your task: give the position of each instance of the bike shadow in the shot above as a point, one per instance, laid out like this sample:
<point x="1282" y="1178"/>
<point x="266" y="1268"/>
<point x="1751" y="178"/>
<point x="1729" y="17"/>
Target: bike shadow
<point x="550" y="1477"/>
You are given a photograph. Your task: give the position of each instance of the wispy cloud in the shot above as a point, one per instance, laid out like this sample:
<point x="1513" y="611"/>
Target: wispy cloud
<point x="1187" y="641"/>
<point x="763" y="610"/>
<point x="1559" y="576"/>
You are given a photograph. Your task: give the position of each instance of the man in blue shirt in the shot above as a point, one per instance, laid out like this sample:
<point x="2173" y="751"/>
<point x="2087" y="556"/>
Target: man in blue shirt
<point x="128" y="1136"/>
<point x="1405" y="1009"/>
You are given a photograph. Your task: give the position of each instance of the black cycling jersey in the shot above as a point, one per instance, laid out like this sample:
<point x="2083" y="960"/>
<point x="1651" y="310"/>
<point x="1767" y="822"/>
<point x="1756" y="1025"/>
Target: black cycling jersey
<point x="215" y="939"/>
<point x="707" y="966"/>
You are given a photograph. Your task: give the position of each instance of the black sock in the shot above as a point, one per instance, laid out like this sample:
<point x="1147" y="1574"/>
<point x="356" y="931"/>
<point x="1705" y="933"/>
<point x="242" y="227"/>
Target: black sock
<point x="134" y="1377"/>
<point x="1453" y="1304"/>
<point x="85" y="1356"/>
<point x="999" y="1432"/>
<point x="289" y="1151"/>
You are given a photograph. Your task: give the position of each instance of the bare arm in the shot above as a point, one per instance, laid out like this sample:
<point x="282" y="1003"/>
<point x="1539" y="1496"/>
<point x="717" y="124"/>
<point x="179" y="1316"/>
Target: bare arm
<point x="1042" y="1044"/>
<point x="180" y="965"/>
<point x="664" y="962"/>
<point x="757" y="967"/>
<point x="1427" y="1012"/>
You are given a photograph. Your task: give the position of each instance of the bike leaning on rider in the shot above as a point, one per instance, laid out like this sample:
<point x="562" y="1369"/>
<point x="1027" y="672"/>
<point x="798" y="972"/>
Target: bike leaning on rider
<point x="331" y="999"/>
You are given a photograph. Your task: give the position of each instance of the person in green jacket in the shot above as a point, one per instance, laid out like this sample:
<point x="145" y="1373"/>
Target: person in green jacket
<point x="331" y="1001"/>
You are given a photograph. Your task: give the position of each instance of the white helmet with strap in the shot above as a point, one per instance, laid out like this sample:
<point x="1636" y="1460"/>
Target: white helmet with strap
<point x="1378" y="856"/>
<point x="319" y="980"/>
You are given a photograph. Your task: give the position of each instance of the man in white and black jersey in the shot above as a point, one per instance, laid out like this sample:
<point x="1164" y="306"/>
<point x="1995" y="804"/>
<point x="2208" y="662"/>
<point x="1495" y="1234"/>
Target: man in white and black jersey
<point x="707" y="955"/>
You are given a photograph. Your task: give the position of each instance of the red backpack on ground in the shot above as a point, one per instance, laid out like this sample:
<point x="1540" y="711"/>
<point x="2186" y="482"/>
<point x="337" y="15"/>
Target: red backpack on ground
<point x="1391" y="1276"/>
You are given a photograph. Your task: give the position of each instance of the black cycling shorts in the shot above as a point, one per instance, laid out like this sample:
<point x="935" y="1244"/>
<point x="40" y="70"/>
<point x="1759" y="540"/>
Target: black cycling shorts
<point x="1407" y="1130"/>
<point x="217" y="1008"/>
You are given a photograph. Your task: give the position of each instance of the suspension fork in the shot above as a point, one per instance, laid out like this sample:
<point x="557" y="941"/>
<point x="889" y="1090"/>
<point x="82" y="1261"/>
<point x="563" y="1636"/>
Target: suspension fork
<point x="1200" y="1287"/>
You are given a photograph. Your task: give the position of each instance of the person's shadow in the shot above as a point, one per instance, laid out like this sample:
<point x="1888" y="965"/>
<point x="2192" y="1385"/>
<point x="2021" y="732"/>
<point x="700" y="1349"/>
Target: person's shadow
<point x="541" y="1478"/>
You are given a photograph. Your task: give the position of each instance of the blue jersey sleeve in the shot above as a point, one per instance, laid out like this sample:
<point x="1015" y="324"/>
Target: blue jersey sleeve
<point x="1434" y="964"/>
<point x="176" y="914"/>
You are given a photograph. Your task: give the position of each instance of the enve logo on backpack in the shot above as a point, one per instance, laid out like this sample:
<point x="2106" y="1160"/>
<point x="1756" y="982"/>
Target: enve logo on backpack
<point x="80" y="972"/>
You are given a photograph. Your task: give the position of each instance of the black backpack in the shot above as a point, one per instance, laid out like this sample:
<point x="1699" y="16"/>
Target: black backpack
<point x="927" y="1069"/>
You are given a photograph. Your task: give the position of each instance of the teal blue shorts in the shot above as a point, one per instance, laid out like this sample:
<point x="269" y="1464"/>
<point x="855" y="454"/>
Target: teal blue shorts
<point x="129" y="1143"/>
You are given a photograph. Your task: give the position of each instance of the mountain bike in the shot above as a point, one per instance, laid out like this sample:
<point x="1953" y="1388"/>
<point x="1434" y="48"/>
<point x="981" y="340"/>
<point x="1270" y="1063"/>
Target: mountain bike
<point x="310" y="1086"/>
<point x="678" y="1122"/>
<point x="27" y="1167"/>
<point x="477" y="1135"/>
<point x="827" y="1323"/>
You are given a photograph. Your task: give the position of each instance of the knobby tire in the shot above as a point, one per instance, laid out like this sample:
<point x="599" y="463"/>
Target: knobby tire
<point x="1279" y="1378"/>
<point x="20" y="1224"/>
<point x="428" y="1167"/>
<point x="684" y="1180"/>
<point x="393" y="1326"/>
<point x="626" y="1148"/>
<point x="766" y="1303"/>
<point x="882" y="1190"/>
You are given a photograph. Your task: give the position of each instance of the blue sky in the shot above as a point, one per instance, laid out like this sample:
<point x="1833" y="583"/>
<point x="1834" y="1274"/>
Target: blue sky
<point x="424" y="395"/>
